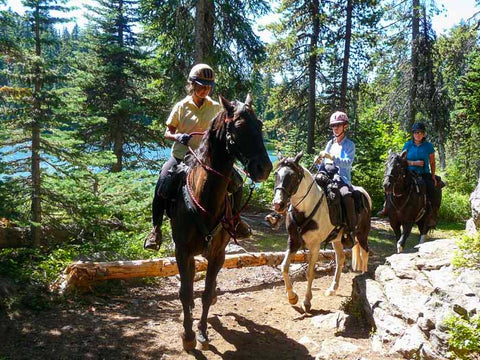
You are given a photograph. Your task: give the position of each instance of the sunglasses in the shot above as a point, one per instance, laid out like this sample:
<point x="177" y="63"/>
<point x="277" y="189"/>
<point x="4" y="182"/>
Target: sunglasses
<point x="336" y="125"/>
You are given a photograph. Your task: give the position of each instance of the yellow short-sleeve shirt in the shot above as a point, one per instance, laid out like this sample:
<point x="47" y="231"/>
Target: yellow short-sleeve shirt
<point x="186" y="117"/>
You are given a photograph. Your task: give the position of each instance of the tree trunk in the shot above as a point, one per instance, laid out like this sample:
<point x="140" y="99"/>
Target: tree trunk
<point x="117" y="135"/>
<point x="117" y="123"/>
<point x="346" y="56"/>
<point x="204" y="25"/>
<point x="312" y="69"/>
<point x="412" y="108"/>
<point x="86" y="274"/>
<point x="36" y="202"/>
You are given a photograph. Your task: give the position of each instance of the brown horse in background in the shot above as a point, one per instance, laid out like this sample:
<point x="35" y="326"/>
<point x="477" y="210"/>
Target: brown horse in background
<point x="406" y="199"/>
<point x="201" y="217"/>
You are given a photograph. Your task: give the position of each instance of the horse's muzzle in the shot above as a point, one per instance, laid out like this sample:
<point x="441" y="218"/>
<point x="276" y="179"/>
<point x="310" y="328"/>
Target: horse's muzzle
<point x="279" y="202"/>
<point x="260" y="167"/>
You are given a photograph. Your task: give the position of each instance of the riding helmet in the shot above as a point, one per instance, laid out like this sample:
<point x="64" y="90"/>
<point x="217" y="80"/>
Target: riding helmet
<point x="202" y="74"/>
<point x="338" y="117"/>
<point x="419" y="126"/>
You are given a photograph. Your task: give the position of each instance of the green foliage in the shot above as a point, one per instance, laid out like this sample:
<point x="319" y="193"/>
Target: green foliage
<point x="464" y="340"/>
<point x="455" y="206"/>
<point x="468" y="255"/>
<point x="374" y="137"/>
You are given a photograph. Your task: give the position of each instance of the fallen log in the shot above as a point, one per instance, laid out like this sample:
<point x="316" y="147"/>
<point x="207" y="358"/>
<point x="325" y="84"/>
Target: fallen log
<point x="83" y="274"/>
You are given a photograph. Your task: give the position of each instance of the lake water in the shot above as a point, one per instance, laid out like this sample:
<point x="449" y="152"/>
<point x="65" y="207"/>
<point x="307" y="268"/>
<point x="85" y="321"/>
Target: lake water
<point x="159" y="155"/>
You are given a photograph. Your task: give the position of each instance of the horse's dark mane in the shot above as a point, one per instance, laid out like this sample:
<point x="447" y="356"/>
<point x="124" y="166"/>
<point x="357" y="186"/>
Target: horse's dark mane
<point x="216" y="130"/>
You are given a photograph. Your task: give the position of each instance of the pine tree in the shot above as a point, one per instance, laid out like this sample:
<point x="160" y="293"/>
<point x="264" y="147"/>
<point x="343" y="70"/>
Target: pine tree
<point x="112" y="78"/>
<point x="30" y="103"/>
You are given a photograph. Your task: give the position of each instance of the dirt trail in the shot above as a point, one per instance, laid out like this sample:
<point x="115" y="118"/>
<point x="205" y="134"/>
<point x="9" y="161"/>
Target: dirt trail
<point x="251" y="320"/>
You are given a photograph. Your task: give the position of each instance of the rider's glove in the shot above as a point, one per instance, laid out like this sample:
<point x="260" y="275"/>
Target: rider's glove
<point x="183" y="138"/>
<point x="317" y="160"/>
<point x="326" y="155"/>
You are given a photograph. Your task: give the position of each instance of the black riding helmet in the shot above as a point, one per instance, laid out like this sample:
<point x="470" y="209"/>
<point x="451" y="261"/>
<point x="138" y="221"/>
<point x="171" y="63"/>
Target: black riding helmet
<point x="419" y="126"/>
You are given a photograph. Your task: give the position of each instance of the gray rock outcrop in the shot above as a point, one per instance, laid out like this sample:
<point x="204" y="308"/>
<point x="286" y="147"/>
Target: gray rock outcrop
<point x="411" y="296"/>
<point x="473" y="224"/>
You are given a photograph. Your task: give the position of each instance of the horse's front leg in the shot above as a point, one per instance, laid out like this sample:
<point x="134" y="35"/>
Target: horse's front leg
<point x="209" y="294"/>
<point x="407" y="229"/>
<point x="312" y="259"/>
<point x="285" y="266"/>
<point x="186" y="269"/>
<point x="423" y="229"/>
<point x="339" y="261"/>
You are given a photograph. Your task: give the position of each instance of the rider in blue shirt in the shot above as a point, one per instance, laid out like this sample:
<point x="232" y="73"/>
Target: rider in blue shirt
<point x="421" y="160"/>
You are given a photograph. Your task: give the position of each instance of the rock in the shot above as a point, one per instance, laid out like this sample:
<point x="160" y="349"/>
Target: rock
<point x="474" y="222"/>
<point x="332" y="321"/>
<point x="410" y="296"/>
<point x="336" y="349"/>
<point x="410" y="343"/>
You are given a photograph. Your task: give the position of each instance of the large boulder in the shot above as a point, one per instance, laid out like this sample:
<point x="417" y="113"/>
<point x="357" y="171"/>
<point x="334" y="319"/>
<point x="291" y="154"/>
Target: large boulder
<point x="473" y="224"/>
<point x="411" y="295"/>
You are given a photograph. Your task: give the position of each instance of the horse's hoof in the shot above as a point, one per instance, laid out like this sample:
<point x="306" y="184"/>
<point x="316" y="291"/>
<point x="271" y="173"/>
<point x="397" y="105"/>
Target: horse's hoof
<point x="203" y="341"/>
<point x="214" y="300"/>
<point x="399" y="249"/>
<point x="306" y="307"/>
<point x="293" y="300"/>
<point x="330" y="292"/>
<point x="189" y="345"/>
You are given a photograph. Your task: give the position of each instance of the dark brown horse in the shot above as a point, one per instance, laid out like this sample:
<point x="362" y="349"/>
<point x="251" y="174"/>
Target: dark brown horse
<point x="202" y="215"/>
<point x="406" y="200"/>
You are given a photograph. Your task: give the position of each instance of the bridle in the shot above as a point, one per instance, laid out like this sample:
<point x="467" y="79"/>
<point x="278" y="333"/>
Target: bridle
<point x="299" y="175"/>
<point x="233" y="150"/>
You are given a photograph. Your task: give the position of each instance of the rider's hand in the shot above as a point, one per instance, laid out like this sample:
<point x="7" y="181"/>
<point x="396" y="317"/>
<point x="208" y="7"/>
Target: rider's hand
<point x="434" y="180"/>
<point x="183" y="138"/>
<point x="326" y="155"/>
<point x="317" y="160"/>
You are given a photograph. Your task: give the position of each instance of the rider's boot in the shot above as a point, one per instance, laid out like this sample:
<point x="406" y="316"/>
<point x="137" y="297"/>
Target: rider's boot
<point x="153" y="241"/>
<point x="242" y="229"/>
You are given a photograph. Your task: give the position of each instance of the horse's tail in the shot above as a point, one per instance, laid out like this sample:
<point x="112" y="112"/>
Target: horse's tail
<point x="360" y="250"/>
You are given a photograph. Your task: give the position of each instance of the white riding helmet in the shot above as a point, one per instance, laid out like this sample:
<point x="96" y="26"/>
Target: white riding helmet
<point x="202" y="74"/>
<point x="338" y="117"/>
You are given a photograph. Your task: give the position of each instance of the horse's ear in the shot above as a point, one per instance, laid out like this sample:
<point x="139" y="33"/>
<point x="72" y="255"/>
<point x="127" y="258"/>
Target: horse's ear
<point x="249" y="100"/>
<point x="390" y="152"/>
<point x="227" y="105"/>
<point x="298" y="157"/>
<point x="280" y="156"/>
<point x="404" y="154"/>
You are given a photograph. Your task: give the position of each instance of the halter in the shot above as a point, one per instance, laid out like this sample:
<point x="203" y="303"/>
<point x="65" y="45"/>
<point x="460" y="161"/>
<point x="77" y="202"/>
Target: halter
<point x="298" y="171"/>
<point x="393" y="195"/>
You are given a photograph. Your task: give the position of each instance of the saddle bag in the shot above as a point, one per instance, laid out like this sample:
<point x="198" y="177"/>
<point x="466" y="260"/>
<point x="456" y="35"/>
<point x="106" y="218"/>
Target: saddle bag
<point x="334" y="198"/>
<point x="334" y="201"/>
<point x="169" y="185"/>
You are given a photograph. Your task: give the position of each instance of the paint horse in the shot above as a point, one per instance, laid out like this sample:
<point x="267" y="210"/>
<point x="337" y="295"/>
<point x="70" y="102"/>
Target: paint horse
<point x="308" y="225"/>
<point x="406" y="200"/>
<point x="201" y="217"/>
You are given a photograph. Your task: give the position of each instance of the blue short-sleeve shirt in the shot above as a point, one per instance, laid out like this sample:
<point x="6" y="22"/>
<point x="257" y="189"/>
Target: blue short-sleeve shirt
<point x="419" y="152"/>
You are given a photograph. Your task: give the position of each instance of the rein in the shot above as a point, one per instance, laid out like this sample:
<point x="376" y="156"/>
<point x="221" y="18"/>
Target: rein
<point x="392" y="196"/>
<point x="205" y="166"/>
<point x="226" y="222"/>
